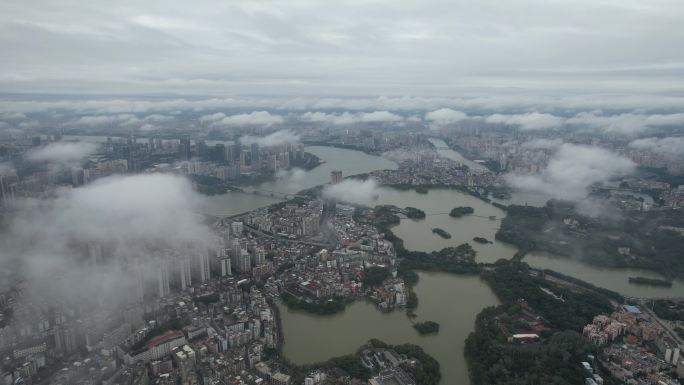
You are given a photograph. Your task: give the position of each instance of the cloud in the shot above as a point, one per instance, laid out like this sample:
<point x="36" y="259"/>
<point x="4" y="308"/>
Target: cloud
<point x="354" y="191"/>
<point x="542" y="144"/>
<point x="255" y="118"/>
<point x="295" y="178"/>
<point x="670" y="146"/>
<point x="132" y="222"/>
<point x="6" y="168"/>
<point x="347" y="118"/>
<point x="572" y="171"/>
<point x="62" y="152"/>
<point x="527" y="122"/>
<point x="275" y="139"/>
<point x="628" y="124"/>
<point x="98" y="120"/>
<point x="212" y="117"/>
<point x="445" y="116"/>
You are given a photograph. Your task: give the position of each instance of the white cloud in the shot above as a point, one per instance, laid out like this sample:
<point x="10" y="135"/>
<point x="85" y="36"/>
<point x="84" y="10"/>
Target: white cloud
<point x="670" y="146"/>
<point x="527" y="122"/>
<point x="542" y="144"/>
<point x="354" y="191"/>
<point x="275" y="139"/>
<point x="628" y="124"/>
<point x="445" y="116"/>
<point x="347" y="118"/>
<point x="63" y="152"/>
<point x="137" y="221"/>
<point x="212" y="117"/>
<point x="255" y="118"/>
<point x="572" y="171"/>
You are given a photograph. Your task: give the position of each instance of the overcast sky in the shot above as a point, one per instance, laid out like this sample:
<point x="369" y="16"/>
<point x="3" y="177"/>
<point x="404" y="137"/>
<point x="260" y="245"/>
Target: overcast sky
<point x="354" y="47"/>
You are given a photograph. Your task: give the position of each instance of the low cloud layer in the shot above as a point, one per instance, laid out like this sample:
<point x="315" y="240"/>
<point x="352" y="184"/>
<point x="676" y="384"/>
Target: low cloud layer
<point x="542" y="144"/>
<point x="63" y="152"/>
<point x="132" y="221"/>
<point x="572" y="171"/>
<point x="527" y="122"/>
<point x="275" y="139"/>
<point x="363" y="192"/>
<point x="445" y="116"/>
<point x="347" y="118"/>
<point x="255" y="118"/>
<point x="671" y="146"/>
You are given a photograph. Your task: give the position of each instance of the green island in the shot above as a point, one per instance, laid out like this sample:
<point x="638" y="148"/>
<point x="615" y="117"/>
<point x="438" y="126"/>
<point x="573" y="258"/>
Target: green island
<point x="414" y="213"/>
<point x="427" y="327"/>
<point x="422" y="367"/>
<point x="441" y="232"/>
<point x="532" y="337"/>
<point x="650" y="281"/>
<point x="422" y="190"/>
<point x="325" y="307"/>
<point x="638" y="239"/>
<point x="482" y="240"/>
<point x="458" y="212"/>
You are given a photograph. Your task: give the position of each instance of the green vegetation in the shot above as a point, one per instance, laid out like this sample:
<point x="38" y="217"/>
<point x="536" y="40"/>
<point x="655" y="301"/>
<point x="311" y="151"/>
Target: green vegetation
<point x="512" y="281"/>
<point x="385" y="216"/>
<point x="669" y="310"/>
<point x="209" y="185"/>
<point x="482" y="240"/>
<point x="650" y="281"/>
<point x="325" y="307"/>
<point x="441" y="232"/>
<point x="635" y="239"/>
<point x="422" y="190"/>
<point x="374" y="275"/>
<point x="207" y="299"/>
<point x="492" y="360"/>
<point x="461" y="211"/>
<point x="308" y="162"/>
<point x="427" y="327"/>
<point x="414" y="213"/>
<point x="426" y="370"/>
<point x="460" y="259"/>
<point x="500" y="206"/>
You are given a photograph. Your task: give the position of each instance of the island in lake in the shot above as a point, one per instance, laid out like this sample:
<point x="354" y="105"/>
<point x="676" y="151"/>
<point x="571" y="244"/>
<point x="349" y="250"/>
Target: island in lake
<point x="414" y="213"/>
<point x="441" y="232"/>
<point x="482" y="240"/>
<point x="460" y="211"/>
<point x="422" y="190"/>
<point x="650" y="281"/>
<point x="427" y="327"/>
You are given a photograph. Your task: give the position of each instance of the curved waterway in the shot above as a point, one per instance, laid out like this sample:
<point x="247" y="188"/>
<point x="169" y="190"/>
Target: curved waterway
<point x="350" y="162"/>
<point x="417" y="233"/>
<point x="451" y="300"/>
<point x="616" y="279"/>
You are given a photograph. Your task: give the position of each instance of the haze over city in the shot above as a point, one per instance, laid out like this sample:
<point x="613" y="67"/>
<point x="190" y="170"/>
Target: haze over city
<point x="371" y="192"/>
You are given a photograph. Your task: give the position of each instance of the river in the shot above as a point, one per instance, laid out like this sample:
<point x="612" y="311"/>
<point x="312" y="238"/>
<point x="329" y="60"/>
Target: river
<point x="451" y="300"/>
<point x="310" y="338"/>
<point x="348" y="161"/>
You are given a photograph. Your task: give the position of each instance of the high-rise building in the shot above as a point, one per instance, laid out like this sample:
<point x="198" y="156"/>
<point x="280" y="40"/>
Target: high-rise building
<point x="237" y="227"/>
<point x="185" y="272"/>
<point x="336" y="176"/>
<point x="185" y="149"/>
<point x="244" y="262"/>
<point x="163" y="288"/>
<point x="256" y="156"/>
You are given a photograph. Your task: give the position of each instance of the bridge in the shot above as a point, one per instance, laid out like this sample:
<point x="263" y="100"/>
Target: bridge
<point x="269" y="193"/>
<point x="493" y="218"/>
